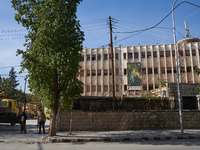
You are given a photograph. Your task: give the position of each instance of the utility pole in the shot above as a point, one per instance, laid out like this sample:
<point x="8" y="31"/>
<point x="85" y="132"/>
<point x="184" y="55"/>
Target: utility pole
<point x="177" y="70"/>
<point x="25" y="95"/>
<point x="111" y="48"/>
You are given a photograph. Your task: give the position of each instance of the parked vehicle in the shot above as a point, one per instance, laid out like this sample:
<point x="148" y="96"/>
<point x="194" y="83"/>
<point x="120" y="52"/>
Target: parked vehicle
<point x="8" y="110"/>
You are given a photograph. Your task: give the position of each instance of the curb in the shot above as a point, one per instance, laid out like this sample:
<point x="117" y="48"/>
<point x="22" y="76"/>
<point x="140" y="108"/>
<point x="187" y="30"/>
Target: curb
<point x="106" y="139"/>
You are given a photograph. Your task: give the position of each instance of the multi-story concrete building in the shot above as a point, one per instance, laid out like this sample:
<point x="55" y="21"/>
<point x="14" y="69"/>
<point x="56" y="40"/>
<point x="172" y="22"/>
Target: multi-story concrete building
<point x="146" y="64"/>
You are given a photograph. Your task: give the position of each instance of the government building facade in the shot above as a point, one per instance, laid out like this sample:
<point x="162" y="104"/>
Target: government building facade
<point x="138" y="69"/>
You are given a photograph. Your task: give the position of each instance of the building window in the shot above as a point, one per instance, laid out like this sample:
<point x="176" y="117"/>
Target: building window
<point x="82" y="90"/>
<point x="143" y="70"/>
<point x="93" y="57"/>
<point x="150" y="87"/>
<point x="154" y="54"/>
<point x="125" y="87"/>
<point x="124" y="55"/>
<point x="105" y="57"/>
<point x="117" y="87"/>
<point x="110" y="72"/>
<point x="88" y="57"/>
<point x="143" y="54"/>
<point x="105" y="87"/>
<point x="88" y="72"/>
<point x="144" y="87"/>
<point x="167" y="53"/>
<point x="180" y="53"/>
<point x="110" y="56"/>
<point x="174" y="69"/>
<point x="193" y="52"/>
<point x="149" y="70"/>
<point x="124" y="71"/>
<point x="99" y="57"/>
<point x="82" y="58"/>
<point x="82" y="73"/>
<point x="182" y="69"/>
<point x="88" y="88"/>
<point x="194" y="68"/>
<point x="136" y="55"/>
<point x="117" y="71"/>
<point x="155" y="70"/>
<point x="187" y="53"/>
<point x="148" y="54"/>
<point x="173" y="53"/>
<point x="105" y="72"/>
<point x="99" y="88"/>
<point x="188" y="69"/>
<point x="93" y="72"/>
<point x="99" y="72"/>
<point x="116" y="56"/>
<point x="163" y="70"/>
<point x="169" y="70"/>
<point x="161" y="54"/>
<point x="93" y="88"/>
<point x="130" y="55"/>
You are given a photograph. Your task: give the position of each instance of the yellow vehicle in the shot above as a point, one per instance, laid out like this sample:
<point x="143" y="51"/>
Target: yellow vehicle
<point x="8" y="111"/>
<point x="32" y="110"/>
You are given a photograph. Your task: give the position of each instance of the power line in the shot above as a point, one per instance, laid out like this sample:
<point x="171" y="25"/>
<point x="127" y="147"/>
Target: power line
<point x="142" y="30"/>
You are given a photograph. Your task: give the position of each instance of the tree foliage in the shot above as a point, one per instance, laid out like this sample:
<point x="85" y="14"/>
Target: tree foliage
<point x="197" y="70"/>
<point x="13" y="77"/>
<point x="10" y="89"/>
<point x="53" y="47"/>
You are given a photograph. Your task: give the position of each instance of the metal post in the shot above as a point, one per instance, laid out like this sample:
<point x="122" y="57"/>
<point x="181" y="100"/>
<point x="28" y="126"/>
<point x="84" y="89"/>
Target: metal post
<point x="25" y="95"/>
<point x="111" y="47"/>
<point x="177" y="69"/>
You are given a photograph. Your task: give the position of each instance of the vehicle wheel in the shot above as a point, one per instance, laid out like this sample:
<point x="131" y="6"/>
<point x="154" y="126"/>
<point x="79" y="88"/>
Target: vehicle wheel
<point x="12" y="124"/>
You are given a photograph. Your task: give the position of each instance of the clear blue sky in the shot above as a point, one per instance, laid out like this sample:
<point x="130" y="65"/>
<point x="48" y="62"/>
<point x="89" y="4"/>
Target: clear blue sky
<point x="130" y="15"/>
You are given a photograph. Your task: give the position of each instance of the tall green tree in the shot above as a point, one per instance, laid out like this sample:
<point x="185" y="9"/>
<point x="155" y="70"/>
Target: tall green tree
<point x="13" y="77"/>
<point x="53" y="47"/>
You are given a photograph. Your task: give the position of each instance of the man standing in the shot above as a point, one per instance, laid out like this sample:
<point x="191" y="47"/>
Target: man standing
<point x="22" y="120"/>
<point x="41" y="121"/>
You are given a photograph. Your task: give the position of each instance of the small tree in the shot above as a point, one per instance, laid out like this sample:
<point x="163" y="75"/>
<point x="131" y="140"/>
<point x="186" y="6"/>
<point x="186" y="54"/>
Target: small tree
<point x="13" y="76"/>
<point x="52" y="54"/>
<point x="197" y="70"/>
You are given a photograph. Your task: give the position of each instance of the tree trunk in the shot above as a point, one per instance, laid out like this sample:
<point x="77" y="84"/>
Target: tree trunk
<point x="52" y="129"/>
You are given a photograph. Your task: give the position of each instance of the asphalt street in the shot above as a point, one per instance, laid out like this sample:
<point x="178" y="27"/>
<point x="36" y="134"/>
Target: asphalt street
<point x="143" y="145"/>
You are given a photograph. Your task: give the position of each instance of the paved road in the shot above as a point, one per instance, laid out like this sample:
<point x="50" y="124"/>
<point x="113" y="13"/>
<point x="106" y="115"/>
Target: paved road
<point x="151" y="145"/>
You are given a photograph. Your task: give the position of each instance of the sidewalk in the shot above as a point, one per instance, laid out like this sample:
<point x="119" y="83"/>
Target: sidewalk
<point x="98" y="136"/>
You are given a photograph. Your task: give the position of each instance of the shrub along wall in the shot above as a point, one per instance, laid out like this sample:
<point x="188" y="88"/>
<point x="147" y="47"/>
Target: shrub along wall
<point x="116" y="121"/>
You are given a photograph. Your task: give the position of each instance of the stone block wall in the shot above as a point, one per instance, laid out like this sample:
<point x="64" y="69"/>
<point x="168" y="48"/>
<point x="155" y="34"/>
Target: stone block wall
<point x="118" y="121"/>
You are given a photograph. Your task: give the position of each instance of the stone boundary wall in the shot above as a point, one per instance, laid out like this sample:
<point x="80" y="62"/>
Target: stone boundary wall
<point x="118" y="121"/>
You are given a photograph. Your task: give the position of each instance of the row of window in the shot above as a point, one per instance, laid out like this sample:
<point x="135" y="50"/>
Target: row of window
<point x="144" y="71"/>
<point x="169" y="70"/>
<point x="98" y="72"/>
<point x="99" y="57"/>
<point x="105" y="88"/>
<point x="136" y="55"/>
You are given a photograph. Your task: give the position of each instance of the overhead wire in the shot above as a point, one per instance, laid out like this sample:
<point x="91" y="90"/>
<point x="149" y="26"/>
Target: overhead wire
<point x="161" y="20"/>
<point x="142" y="30"/>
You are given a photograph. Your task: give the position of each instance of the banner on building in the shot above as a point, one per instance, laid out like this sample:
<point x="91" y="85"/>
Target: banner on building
<point x="134" y="76"/>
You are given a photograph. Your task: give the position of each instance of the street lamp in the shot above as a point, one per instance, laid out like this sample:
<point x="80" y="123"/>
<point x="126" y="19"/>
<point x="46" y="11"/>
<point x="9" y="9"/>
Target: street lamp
<point x="177" y="70"/>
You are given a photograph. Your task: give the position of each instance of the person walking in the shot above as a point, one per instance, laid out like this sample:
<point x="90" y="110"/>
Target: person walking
<point x="22" y="120"/>
<point x="41" y="121"/>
